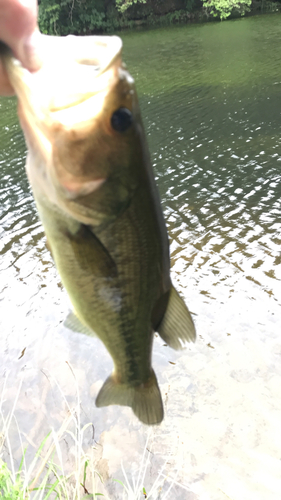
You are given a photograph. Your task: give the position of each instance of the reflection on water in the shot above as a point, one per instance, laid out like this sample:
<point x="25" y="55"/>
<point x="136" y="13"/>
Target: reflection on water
<point x="210" y="96"/>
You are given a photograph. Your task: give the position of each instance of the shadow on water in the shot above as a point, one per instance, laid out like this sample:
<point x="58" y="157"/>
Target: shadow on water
<point x="210" y="98"/>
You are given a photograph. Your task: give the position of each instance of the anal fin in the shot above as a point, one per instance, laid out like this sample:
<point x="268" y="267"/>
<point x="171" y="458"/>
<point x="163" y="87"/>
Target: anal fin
<point x="145" y="399"/>
<point x="176" y="327"/>
<point x="73" y="323"/>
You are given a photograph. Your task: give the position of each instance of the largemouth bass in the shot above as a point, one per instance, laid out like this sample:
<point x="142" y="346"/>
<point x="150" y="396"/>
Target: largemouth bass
<point x="89" y="168"/>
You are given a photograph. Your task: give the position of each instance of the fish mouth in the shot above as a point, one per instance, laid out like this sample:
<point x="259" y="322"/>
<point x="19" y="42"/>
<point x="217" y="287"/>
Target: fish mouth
<point x="76" y="75"/>
<point x="88" y="70"/>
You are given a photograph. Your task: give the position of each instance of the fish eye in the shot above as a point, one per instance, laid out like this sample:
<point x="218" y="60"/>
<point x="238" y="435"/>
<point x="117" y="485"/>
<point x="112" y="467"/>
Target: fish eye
<point x="121" y="119"/>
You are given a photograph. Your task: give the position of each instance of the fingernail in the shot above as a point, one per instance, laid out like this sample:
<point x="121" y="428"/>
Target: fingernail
<point x="29" y="52"/>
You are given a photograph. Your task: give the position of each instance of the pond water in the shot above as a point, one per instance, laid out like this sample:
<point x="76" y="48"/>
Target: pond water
<point x="210" y="97"/>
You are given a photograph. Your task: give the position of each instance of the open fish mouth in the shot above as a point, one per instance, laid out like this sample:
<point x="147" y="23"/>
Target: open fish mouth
<point x="64" y="104"/>
<point x="94" y="62"/>
<point x="72" y="73"/>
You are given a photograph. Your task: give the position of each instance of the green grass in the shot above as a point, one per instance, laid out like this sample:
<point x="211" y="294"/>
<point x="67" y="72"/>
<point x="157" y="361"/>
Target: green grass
<point x="45" y="478"/>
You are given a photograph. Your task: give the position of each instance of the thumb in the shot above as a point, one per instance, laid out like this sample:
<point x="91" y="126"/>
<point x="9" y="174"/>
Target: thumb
<point x="18" y="29"/>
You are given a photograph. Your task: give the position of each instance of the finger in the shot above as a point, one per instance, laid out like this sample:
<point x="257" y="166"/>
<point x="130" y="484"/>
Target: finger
<point x="18" y="29"/>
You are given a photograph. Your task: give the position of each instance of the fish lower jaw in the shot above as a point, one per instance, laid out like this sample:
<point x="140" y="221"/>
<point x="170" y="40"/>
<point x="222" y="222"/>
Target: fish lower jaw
<point x="74" y="188"/>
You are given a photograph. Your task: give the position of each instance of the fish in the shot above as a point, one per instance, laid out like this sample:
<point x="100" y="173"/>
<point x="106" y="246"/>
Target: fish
<point x="89" y="168"/>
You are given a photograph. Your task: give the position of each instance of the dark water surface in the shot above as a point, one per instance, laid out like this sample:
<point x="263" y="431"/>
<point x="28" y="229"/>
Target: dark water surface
<point x="211" y="99"/>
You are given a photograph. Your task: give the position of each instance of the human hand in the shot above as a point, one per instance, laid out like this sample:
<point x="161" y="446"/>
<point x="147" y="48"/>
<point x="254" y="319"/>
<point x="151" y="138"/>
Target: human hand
<point x="19" y="30"/>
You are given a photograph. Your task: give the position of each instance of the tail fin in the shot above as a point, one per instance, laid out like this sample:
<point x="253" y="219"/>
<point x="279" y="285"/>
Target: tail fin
<point x="177" y="326"/>
<point x="145" y="399"/>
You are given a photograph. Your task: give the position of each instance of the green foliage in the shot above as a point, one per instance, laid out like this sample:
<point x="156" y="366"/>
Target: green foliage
<point x="10" y="490"/>
<point x="224" y="8"/>
<point x="267" y="6"/>
<point x="170" y="18"/>
<point x="189" y="5"/>
<point x="62" y="17"/>
<point x="123" y="5"/>
<point x="71" y="16"/>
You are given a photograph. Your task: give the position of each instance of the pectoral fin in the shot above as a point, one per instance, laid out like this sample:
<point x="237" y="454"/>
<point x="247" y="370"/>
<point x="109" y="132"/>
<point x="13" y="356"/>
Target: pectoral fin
<point x="145" y="399"/>
<point x="176" y="327"/>
<point x="90" y="253"/>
